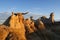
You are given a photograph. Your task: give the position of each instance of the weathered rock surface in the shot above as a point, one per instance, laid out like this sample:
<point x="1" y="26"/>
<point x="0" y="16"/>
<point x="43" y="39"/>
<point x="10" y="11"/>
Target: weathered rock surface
<point x="18" y="28"/>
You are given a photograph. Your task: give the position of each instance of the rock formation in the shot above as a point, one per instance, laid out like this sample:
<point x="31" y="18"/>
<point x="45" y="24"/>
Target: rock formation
<point x="48" y="20"/>
<point x="52" y="17"/>
<point x="18" y="28"/>
<point x="40" y="24"/>
<point x="16" y="24"/>
<point x="27" y="25"/>
<point x="3" y="32"/>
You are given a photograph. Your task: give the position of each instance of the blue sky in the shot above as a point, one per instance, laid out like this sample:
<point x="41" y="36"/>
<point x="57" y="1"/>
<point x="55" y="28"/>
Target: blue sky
<point x="37" y="7"/>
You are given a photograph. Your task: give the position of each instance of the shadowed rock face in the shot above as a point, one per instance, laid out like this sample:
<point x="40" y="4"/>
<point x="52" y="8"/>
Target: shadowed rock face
<point x="18" y="28"/>
<point x="48" y="20"/>
<point x="8" y="19"/>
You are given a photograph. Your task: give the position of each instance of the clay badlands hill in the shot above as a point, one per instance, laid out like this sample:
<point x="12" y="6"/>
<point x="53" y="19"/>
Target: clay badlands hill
<point x="18" y="28"/>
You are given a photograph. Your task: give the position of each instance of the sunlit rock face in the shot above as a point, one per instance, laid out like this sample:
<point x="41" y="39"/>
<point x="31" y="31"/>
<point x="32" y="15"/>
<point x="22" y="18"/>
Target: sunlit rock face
<point x="52" y="17"/>
<point x="18" y="28"/>
<point x="12" y="21"/>
<point x="3" y="32"/>
<point x="27" y="25"/>
<point x="40" y="24"/>
<point x="33" y="26"/>
<point x="15" y="24"/>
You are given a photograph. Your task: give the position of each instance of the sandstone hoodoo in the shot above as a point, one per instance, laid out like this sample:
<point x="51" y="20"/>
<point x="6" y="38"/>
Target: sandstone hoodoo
<point x="16" y="27"/>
